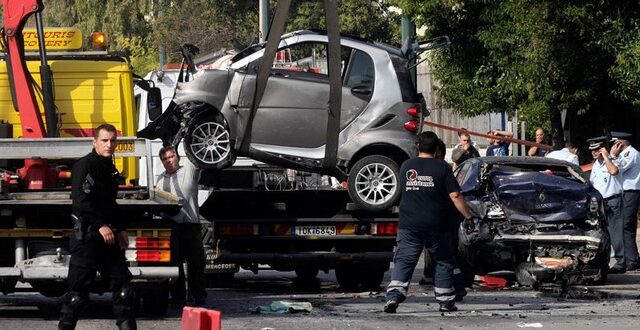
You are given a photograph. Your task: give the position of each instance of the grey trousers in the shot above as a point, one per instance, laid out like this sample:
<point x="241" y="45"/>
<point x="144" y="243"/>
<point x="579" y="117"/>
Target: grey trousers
<point x="615" y="226"/>
<point x="631" y="200"/>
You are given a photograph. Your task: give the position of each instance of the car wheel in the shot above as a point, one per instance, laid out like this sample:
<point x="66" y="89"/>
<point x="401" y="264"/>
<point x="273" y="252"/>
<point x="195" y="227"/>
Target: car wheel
<point x="208" y="143"/>
<point x="374" y="183"/>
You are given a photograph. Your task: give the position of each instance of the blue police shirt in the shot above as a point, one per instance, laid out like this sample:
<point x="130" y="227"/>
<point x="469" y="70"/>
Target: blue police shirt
<point x="607" y="184"/>
<point x="628" y="163"/>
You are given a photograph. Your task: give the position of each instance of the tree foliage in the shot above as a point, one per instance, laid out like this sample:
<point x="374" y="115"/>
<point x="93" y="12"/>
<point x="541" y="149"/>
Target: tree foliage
<point x="535" y="56"/>
<point x="143" y="26"/>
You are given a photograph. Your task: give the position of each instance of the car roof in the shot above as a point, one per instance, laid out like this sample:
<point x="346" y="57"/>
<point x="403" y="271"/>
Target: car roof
<point x="380" y="45"/>
<point x="525" y="160"/>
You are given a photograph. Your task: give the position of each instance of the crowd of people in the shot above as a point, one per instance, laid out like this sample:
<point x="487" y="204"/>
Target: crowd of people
<point x="431" y="205"/>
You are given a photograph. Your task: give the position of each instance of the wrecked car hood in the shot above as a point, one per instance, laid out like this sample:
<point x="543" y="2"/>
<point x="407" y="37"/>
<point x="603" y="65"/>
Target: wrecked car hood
<point x="529" y="197"/>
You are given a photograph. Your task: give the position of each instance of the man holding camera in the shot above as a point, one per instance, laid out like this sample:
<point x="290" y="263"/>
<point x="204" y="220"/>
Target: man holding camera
<point x="627" y="159"/>
<point x="606" y="179"/>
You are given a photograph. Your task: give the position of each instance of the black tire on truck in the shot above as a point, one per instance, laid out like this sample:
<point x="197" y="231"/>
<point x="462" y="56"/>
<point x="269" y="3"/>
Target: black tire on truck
<point x="155" y="302"/>
<point x="307" y="274"/>
<point x="219" y="280"/>
<point x="207" y="143"/>
<point x="348" y="277"/>
<point x="373" y="278"/>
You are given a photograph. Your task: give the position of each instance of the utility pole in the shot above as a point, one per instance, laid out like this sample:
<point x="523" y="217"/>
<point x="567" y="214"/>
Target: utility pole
<point x="264" y="19"/>
<point x="161" y="50"/>
<point x="409" y="31"/>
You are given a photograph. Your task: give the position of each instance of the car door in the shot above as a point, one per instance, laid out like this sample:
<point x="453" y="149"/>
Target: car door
<point x="292" y="116"/>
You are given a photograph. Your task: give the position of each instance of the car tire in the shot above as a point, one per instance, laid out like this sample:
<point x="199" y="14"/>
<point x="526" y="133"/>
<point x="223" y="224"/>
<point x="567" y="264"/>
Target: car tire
<point x="374" y="183"/>
<point x="207" y="142"/>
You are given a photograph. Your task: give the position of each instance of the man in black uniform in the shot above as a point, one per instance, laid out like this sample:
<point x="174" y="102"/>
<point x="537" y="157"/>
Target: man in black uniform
<point x="99" y="236"/>
<point x="428" y="188"/>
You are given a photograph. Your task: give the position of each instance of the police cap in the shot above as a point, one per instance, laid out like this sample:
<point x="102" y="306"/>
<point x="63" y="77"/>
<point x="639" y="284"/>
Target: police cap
<point x="620" y="136"/>
<point x="596" y="142"/>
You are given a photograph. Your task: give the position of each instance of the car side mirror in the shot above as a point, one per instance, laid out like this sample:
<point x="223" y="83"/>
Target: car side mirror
<point x="154" y="103"/>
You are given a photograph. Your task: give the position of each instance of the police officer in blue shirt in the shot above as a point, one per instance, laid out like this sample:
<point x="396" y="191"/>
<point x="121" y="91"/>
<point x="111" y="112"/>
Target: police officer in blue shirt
<point x="604" y="177"/>
<point x="627" y="159"/>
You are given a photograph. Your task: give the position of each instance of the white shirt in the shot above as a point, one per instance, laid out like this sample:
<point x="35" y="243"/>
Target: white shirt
<point x="628" y="163"/>
<point x="607" y="184"/>
<point x="184" y="184"/>
<point x="564" y="154"/>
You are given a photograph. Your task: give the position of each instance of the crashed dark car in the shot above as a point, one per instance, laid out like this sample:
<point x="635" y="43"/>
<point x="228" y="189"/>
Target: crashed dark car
<point x="537" y="217"/>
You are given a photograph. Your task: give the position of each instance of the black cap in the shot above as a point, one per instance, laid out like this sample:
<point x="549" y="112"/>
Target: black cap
<point x="596" y="142"/>
<point x="620" y="136"/>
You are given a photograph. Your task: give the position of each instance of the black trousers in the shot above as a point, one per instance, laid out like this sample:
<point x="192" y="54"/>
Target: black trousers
<point x="88" y="257"/>
<point x="613" y="207"/>
<point x="630" y="203"/>
<point x="186" y="246"/>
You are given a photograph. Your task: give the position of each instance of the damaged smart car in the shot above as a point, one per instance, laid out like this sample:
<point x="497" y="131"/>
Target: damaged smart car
<point x="537" y="217"/>
<point x="216" y="115"/>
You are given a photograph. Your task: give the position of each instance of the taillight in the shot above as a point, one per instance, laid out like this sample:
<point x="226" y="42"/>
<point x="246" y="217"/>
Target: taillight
<point x="414" y="111"/>
<point x="411" y="126"/>
<point x="238" y="229"/>
<point x="148" y="255"/>
<point x="148" y="249"/>
<point x="385" y="228"/>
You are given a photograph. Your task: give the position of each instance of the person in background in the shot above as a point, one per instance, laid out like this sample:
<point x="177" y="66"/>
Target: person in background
<point x="427" y="189"/>
<point x="541" y="137"/>
<point x="498" y="147"/>
<point x="604" y="177"/>
<point x="569" y="153"/>
<point x="463" y="150"/>
<point x="186" y="231"/>
<point x="627" y="159"/>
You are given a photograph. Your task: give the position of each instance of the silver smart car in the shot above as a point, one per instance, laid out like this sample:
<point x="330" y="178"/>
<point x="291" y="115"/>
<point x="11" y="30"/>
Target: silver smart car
<point x="381" y="113"/>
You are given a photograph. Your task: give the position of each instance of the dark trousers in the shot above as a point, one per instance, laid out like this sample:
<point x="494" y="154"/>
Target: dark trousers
<point x="186" y="246"/>
<point x="88" y="257"/>
<point x="631" y="200"/>
<point x="458" y="278"/>
<point x="615" y="225"/>
<point x="409" y="247"/>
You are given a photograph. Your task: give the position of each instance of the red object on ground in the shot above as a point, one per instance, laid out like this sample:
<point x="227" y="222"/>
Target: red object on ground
<point x="493" y="282"/>
<point x="196" y="318"/>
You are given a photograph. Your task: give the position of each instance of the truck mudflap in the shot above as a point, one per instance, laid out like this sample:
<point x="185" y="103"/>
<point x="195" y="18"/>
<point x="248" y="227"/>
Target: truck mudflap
<point x="331" y="257"/>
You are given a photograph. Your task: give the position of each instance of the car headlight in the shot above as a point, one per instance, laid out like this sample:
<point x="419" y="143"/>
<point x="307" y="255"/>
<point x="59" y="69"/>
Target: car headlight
<point x="495" y="213"/>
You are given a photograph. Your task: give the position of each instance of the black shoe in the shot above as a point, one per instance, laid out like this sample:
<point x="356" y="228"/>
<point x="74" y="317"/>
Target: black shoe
<point x="633" y="267"/>
<point x="448" y="306"/>
<point x="617" y="270"/>
<point x="460" y="293"/>
<point x="391" y="306"/>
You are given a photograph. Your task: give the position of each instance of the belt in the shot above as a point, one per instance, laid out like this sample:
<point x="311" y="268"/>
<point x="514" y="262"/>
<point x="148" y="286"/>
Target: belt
<point x="612" y="197"/>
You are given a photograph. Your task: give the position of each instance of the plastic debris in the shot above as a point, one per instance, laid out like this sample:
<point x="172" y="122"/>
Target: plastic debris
<point x="285" y="307"/>
<point x="529" y="325"/>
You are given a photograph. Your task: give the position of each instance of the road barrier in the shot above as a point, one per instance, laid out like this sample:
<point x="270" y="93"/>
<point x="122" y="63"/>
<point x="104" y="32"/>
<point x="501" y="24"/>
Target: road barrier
<point x="196" y="318"/>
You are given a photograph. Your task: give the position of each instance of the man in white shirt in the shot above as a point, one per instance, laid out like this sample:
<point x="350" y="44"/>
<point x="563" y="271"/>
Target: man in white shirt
<point x="627" y="159"/>
<point x="186" y="240"/>
<point x="569" y="153"/>
<point x="604" y="177"/>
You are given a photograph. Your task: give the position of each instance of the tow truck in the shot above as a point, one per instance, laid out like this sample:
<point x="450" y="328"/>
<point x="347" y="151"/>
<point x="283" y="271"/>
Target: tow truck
<point x="35" y="204"/>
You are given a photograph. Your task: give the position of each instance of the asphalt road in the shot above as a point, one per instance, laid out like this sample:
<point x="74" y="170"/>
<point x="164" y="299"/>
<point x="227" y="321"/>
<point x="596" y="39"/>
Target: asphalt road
<point x="614" y="306"/>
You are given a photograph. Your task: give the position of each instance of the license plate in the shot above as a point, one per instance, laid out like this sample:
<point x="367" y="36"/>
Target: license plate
<point x="125" y="147"/>
<point x="315" y="230"/>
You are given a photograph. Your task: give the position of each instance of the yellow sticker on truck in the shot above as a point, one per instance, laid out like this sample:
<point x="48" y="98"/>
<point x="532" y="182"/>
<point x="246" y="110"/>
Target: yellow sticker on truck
<point x="67" y="38"/>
